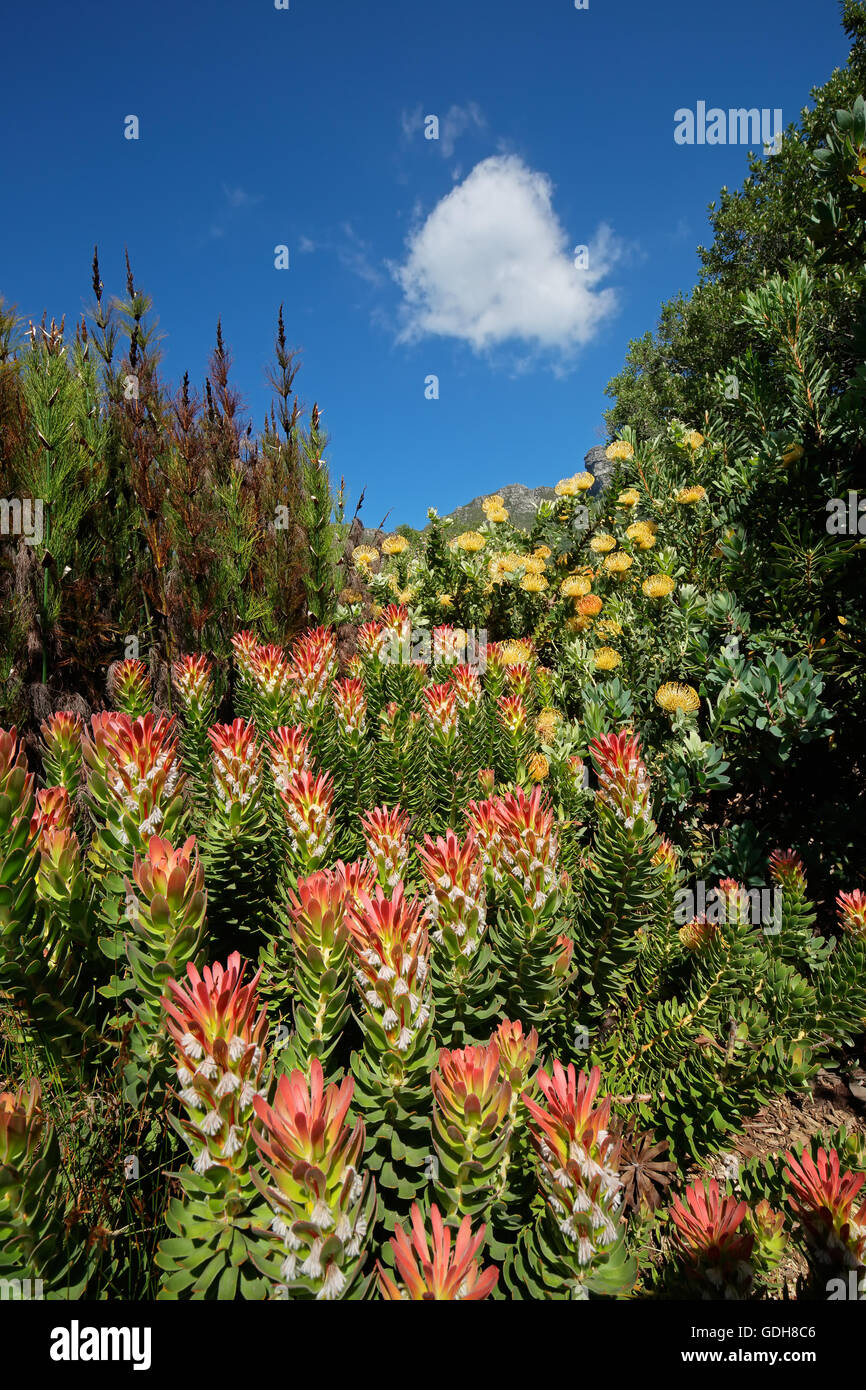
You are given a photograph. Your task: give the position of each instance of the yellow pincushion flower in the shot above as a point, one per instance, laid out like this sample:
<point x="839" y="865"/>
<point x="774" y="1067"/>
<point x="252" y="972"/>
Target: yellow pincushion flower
<point x="538" y="767"/>
<point x="658" y="586"/>
<point x="405" y="595"/>
<point x="609" y="627"/>
<point x="583" y="481"/>
<point x="688" y="496"/>
<point x="575" y="586"/>
<point x="589" y="605"/>
<point x="498" y="514"/>
<point x="470" y="541"/>
<point x="566" y="487"/>
<point x="629" y="498"/>
<point x="602" y="543"/>
<point x="446" y="601"/>
<point x="394" y="545"/>
<point x="694" y="439"/>
<point x="364" y="556"/>
<point x="673" y="697"/>
<point x="533" y="583"/>
<point x="515" y="652"/>
<point x="619" y="563"/>
<point x="533" y="564"/>
<point x="545" y="724"/>
<point x="493" y="504"/>
<point x="497" y="570"/>
<point x="578" y="624"/>
<point x="619" y="449"/>
<point x="542" y="552"/>
<point x="606" y="659"/>
<point x="512" y="561"/>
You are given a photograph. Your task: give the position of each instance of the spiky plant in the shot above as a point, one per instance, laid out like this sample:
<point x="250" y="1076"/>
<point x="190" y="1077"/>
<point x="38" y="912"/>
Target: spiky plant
<point x="238" y="860"/>
<point x="577" y="1244"/>
<point x="167" y="908"/>
<point x="196" y="691"/>
<point x="464" y="977"/>
<point x="323" y="1204"/>
<point x="218" y="1034"/>
<point x="471" y="1127"/>
<point x="714" y="1254"/>
<point x="130" y="688"/>
<point x="423" y="1274"/>
<point x="823" y="1198"/>
<point x="61" y="750"/>
<point x="391" y="966"/>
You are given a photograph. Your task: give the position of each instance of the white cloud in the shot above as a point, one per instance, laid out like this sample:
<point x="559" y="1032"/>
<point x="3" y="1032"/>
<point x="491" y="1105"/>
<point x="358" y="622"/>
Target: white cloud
<point x="492" y="263"/>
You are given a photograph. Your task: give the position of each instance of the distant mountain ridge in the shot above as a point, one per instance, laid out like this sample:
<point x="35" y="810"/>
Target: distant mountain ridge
<point x="522" y="502"/>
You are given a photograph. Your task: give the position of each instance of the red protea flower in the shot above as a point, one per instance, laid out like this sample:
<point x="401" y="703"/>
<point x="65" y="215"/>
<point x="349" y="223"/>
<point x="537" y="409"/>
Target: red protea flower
<point x="706" y="1234"/>
<point x="245" y="645"/>
<point x="220" y="1055"/>
<point x="527" y="866"/>
<point x="16" y="791"/>
<point x="307" y="803"/>
<point x="53" y="812"/>
<point x="577" y="1168"/>
<point x="440" y="1275"/>
<point x="623" y="776"/>
<point x="130" y="687"/>
<point x="359" y="877"/>
<point x="272" y="687"/>
<point x="482" y="817"/>
<point x="193" y="681"/>
<point x="370" y="642"/>
<point x="168" y="915"/>
<point x="786" y="869"/>
<point x="396" y="634"/>
<point x="456" y="903"/>
<point x="134" y="776"/>
<point x="851" y="910"/>
<point x="314" y="664"/>
<point x="289" y="751"/>
<point x="392" y="958"/>
<point x="466" y="684"/>
<point x="517" y="1052"/>
<point x="823" y="1199"/>
<point x="440" y="702"/>
<point x="386" y="835"/>
<point x="471" y="1124"/>
<point x="519" y="680"/>
<point x="487" y="779"/>
<point x="317" y="1193"/>
<point x="350" y="708"/>
<point x="666" y="856"/>
<point x="512" y="715"/>
<point x="61" y="749"/>
<point x="236" y="769"/>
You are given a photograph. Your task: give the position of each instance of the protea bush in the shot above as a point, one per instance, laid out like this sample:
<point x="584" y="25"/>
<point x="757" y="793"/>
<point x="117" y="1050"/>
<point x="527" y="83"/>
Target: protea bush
<point x="448" y="1266"/>
<point x="61" y="750"/>
<point x="578" y="1242"/>
<point x="715" y="1252"/>
<point x="322" y="1201"/>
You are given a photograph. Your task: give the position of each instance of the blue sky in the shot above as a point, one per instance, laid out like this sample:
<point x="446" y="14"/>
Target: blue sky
<point x="409" y="257"/>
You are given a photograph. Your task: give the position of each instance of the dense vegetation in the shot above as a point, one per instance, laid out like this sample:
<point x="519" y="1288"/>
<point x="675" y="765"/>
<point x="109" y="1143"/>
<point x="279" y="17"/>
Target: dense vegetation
<point x="468" y="890"/>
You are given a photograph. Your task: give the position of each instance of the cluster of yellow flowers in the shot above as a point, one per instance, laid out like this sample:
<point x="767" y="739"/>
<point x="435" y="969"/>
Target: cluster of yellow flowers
<point x="618" y="563"/>
<point x="693" y="439"/>
<point x="573" y="486"/>
<point x="394" y="545"/>
<point x="607" y="659"/>
<point x="494" y="508"/>
<point x="642" y="533"/>
<point x="629" y="498"/>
